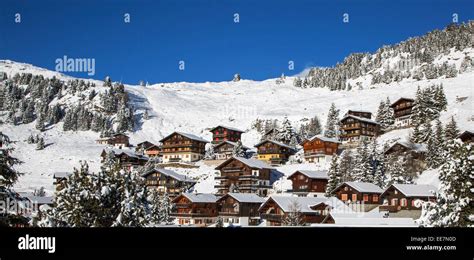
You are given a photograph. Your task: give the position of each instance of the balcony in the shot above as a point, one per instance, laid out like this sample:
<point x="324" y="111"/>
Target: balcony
<point x="222" y="186"/>
<point x="232" y="170"/>
<point x="174" y="159"/>
<point x="192" y="215"/>
<point x="248" y="177"/>
<point x="221" y="177"/>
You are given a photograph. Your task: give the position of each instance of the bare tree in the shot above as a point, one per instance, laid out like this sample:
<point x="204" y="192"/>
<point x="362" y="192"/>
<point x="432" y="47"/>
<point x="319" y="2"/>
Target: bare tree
<point x="294" y="217"/>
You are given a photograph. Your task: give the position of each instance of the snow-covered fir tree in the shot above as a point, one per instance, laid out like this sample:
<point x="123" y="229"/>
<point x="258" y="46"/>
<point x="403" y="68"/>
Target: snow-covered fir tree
<point x="346" y="164"/>
<point x="396" y="171"/>
<point x="451" y="130"/>
<point x="286" y="133"/>
<point x="294" y="216"/>
<point x="362" y="170"/>
<point x="385" y="116"/>
<point x="334" y="176"/>
<point x="239" y="150"/>
<point x="332" y="122"/>
<point x="134" y="210"/>
<point x="40" y="144"/>
<point x="455" y="198"/>
<point x="297" y="82"/>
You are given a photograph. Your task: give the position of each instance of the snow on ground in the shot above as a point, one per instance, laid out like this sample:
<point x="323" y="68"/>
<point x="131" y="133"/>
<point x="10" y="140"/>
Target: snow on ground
<point x="197" y="107"/>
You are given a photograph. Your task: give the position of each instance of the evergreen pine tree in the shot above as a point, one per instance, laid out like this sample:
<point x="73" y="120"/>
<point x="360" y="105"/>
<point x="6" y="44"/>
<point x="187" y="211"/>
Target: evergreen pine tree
<point x="330" y="129"/>
<point x="40" y="144"/>
<point x="362" y="170"/>
<point x="451" y="130"/>
<point x="238" y="150"/>
<point x="334" y="176"/>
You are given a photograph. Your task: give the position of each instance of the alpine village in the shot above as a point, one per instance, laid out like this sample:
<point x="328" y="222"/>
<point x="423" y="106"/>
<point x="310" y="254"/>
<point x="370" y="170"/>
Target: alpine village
<point x="349" y="171"/>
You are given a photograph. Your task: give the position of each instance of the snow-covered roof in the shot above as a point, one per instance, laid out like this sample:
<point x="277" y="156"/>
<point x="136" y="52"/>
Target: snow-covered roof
<point x="252" y="163"/>
<point x="61" y="175"/>
<point x="170" y="173"/>
<point x="190" y="136"/>
<point x="414" y="190"/>
<point x="275" y="142"/>
<point x="246" y="197"/>
<point x="226" y="127"/>
<point x="129" y="153"/>
<point x="305" y="203"/>
<point x="40" y="199"/>
<point x="401" y="99"/>
<point x="363" y="119"/>
<point x="358" y="111"/>
<point x="362" y="186"/>
<point x="419" y="148"/>
<point x="201" y="197"/>
<point x="324" y="139"/>
<point x="312" y="174"/>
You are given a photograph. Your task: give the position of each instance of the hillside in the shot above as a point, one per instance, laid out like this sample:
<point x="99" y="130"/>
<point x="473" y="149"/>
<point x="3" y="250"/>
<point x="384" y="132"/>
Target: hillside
<point x="196" y="107"/>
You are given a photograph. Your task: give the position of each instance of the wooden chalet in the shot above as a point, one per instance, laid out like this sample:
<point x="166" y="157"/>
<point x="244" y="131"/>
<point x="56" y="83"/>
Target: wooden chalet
<point x="128" y="160"/>
<point x="467" y="137"/>
<point x="305" y="182"/>
<point x="182" y="147"/>
<point x="60" y="179"/>
<point x="224" y="133"/>
<point x="167" y="181"/>
<point x="153" y="151"/>
<point x="195" y="209"/>
<point x="416" y="153"/>
<point x="320" y="149"/>
<point x="402" y="109"/>
<point x="116" y="140"/>
<point x="240" y="208"/>
<point x="276" y="209"/>
<point x="405" y="196"/>
<point x="143" y="146"/>
<point x="224" y="150"/>
<point x="364" y="193"/>
<point x="244" y="175"/>
<point x="354" y="128"/>
<point x="273" y="152"/>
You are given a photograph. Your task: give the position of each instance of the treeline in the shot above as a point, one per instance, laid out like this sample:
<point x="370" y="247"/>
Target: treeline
<point x="417" y="52"/>
<point x="29" y="97"/>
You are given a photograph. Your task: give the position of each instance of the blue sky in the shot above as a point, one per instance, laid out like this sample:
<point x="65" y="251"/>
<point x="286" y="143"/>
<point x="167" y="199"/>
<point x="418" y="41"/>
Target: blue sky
<point x="202" y="33"/>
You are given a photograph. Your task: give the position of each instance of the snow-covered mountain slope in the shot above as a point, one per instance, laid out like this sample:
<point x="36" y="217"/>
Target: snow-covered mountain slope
<point x="196" y="107"/>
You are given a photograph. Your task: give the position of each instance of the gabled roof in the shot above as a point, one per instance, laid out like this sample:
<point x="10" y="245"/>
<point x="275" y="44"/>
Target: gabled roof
<point x="362" y="187"/>
<point x="305" y="203"/>
<point x="414" y="190"/>
<point x="363" y="119"/>
<point x="153" y="146"/>
<point x="200" y="197"/>
<point x="322" y="138"/>
<point x="401" y="99"/>
<point x="465" y="134"/>
<point x="312" y="174"/>
<point x="252" y="163"/>
<point x="245" y="197"/>
<point x="419" y="148"/>
<point x="40" y="199"/>
<point x="226" y="127"/>
<point x="61" y="175"/>
<point x="169" y="173"/>
<point x="120" y="134"/>
<point x="275" y="142"/>
<point x="129" y="153"/>
<point x="190" y="136"/>
<point x="358" y="111"/>
<point x="145" y="142"/>
<point x="231" y="143"/>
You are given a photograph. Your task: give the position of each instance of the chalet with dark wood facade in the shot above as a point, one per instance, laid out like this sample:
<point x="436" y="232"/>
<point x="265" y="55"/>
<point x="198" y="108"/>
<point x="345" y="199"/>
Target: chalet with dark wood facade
<point x="116" y="140"/>
<point x="364" y="193"/>
<point x="198" y="209"/>
<point x="60" y="179"/>
<point x="320" y="149"/>
<point x="244" y="175"/>
<point x="167" y="181"/>
<point x="225" y="133"/>
<point x="128" y="160"/>
<point x="182" y="147"/>
<point x="399" y="197"/>
<point x="402" y="111"/>
<point x="467" y="137"/>
<point x="143" y="146"/>
<point x="240" y="208"/>
<point x="275" y="209"/>
<point x="409" y="151"/>
<point x="273" y="152"/>
<point x="224" y="150"/>
<point x="357" y="125"/>
<point x="305" y="182"/>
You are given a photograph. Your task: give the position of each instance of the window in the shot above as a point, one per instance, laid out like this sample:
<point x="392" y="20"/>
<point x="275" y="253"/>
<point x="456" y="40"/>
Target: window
<point x="394" y="202"/>
<point x="344" y="197"/>
<point x="375" y="198"/>
<point x="366" y="197"/>
<point x="403" y="202"/>
<point x="301" y="177"/>
<point x="354" y="197"/>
